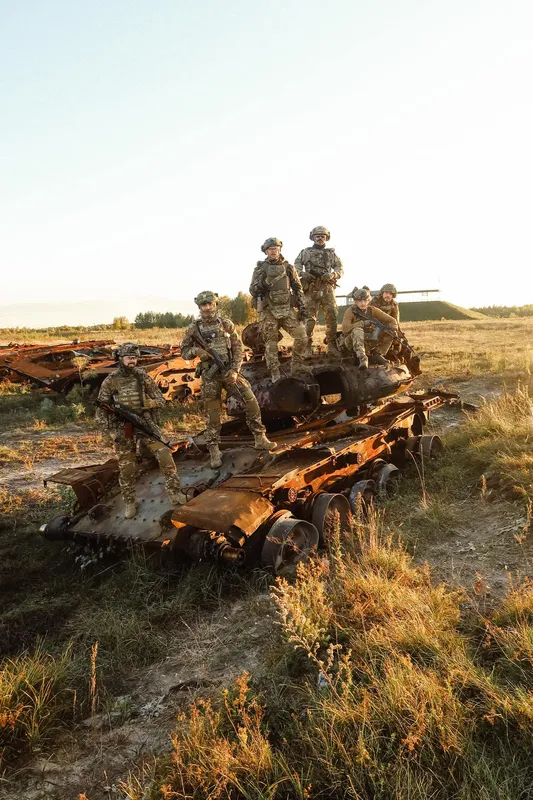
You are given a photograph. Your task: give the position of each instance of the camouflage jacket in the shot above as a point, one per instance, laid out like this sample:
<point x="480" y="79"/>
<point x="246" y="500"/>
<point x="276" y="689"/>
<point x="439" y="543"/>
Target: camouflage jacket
<point x="352" y="320"/>
<point x="131" y="389"/>
<point x="220" y="335"/>
<point x="392" y="308"/>
<point x="259" y="287"/>
<point x="315" y="263"/>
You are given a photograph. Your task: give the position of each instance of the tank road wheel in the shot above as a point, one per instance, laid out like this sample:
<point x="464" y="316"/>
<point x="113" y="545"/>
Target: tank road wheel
<point x="288" y="542"/>
<point x="327" y="508"/>
<point x="385" y="477"/>
<point x="361" y="495"/>
<point x="55" y="529"/>
<point x="426" y="446"/>
<point x="430" y="446"/>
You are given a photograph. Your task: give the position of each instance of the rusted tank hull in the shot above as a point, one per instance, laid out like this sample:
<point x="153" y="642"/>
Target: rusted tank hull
<point x="327" y="381"/>
<point x="258" y="506"/>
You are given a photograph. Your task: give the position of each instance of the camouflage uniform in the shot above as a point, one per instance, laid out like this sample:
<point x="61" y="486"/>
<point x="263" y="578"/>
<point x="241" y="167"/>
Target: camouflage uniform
<point x="389" y="307"/>
<point x="319" y="268"/>
<point x="362" y="336"/>
<point x="275" y="287"/>
<point x="220" y="334"/>
<point x="131" y="386"/>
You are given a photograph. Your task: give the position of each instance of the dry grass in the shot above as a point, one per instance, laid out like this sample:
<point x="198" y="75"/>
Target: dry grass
<point x="398" y="699"/>
<point x="28" y="451"/>
<point x="471" y="347"/>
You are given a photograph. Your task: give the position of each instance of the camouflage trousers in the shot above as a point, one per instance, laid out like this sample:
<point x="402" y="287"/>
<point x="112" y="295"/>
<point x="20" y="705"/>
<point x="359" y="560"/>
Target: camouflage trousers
<point x="363" y="342"/>
<point x="125" y="450"/>
<point x="270" y="326"/>
<point x="211" y="394"/>
<point x="316" y="298"/>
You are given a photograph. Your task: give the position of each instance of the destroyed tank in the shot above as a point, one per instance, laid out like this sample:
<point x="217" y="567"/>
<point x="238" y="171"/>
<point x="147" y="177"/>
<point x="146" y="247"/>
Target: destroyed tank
<point x="342" y="436"/>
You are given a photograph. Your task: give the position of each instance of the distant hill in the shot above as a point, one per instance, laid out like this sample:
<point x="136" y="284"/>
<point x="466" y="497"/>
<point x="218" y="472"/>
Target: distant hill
<point x="430" y="310"/>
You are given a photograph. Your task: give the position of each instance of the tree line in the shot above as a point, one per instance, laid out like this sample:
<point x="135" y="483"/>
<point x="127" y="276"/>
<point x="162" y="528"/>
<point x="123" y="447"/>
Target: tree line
<point x="239" y="309"/>
<point x="167" y="319"/>
<point x="506" y="311"/>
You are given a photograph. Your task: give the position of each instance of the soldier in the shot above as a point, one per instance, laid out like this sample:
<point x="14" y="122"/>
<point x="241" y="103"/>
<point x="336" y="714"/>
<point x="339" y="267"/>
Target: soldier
<point x="361" y="335"/>
<point x="129" y="385"/>
<point x="386" y="302"/>
<point x="220" y="334"/>
<point x="319" y="269"/>
<point x="275" y="288"/>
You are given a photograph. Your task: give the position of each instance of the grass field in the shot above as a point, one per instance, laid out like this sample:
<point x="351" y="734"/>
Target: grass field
<point x="398" y="667"/>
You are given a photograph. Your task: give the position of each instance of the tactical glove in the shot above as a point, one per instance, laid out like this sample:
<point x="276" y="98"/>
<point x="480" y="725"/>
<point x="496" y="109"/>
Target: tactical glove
<point x="231" y="376"/>
<point x="202" y="354"/>
<point x="149" y="403"/>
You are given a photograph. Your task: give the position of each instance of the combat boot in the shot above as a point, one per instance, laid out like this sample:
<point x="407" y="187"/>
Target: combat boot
<point x="130" y="509"/>
<point x="177" y="498"/>
<point x="216" y="456"/>
<point x="363" y="361"/>
<point x="262" y="443"/>
<point x="275" y="375"/>
<point x="377" y="358"/>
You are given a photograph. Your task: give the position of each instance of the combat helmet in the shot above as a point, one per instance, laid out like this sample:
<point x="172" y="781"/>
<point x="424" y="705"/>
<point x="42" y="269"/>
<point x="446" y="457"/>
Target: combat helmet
<point x="272" y="242"/>
<point x="361" y="294"/>
<point x="389" y="287"/>
<point x="205" y="297"/>
<point x="320" y="229"/>
<point x="128" y="349"/>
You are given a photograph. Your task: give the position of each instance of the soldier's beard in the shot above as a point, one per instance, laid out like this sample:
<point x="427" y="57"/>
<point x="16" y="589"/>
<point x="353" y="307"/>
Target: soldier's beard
<point x="126" y="370"/>
<point x="208" y="316"/>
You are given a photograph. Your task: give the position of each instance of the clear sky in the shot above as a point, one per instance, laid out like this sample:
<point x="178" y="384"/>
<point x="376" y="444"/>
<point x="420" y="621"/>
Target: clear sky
<point x="148" y="147"/>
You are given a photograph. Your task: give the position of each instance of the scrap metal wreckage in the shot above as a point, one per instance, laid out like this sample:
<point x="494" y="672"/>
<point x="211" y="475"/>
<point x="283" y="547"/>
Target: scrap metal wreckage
<point x="61" y="367"/>
<point x="342" y="436"/>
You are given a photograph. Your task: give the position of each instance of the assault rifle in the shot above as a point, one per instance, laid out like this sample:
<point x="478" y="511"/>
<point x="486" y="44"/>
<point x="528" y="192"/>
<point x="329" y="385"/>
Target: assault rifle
<point x="221" y="367"/>
<point x="132" y="421"/>
<point x="397" y="335"/>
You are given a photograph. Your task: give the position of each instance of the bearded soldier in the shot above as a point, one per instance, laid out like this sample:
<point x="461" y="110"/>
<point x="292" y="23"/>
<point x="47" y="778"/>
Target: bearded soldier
<point x="275" y="289"/>
<point x="130" y="386"/>
<point x="360" y="333"/>
<point x="386" y="301"/>
<point x="319" y="269"/>
<point x="220" y="335"/>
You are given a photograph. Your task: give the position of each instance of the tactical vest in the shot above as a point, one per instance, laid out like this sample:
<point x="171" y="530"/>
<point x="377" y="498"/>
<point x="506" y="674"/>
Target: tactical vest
<point x="279" y="288"/>
<point x="129" y="391"/>
<point x="323" y="258"/>
<point x="216" y="337"/>
<point x="388" y="308"/>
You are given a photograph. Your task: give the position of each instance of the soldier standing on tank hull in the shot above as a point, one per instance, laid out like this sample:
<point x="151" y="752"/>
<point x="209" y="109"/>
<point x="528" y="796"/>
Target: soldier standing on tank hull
<point x="319" y="269"/>
<point x="386" y="302"/>
<point x="363" y="337"/>
<point x="275" y="287"/>
<point x="220" y="335"/>
<point x="130" y="386"/>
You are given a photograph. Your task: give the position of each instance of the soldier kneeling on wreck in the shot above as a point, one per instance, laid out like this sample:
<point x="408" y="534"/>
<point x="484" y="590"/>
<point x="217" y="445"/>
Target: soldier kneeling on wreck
<point x="367" y="340"/>
<point x="215" y="341"/>
<point x="130" y="386"/>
